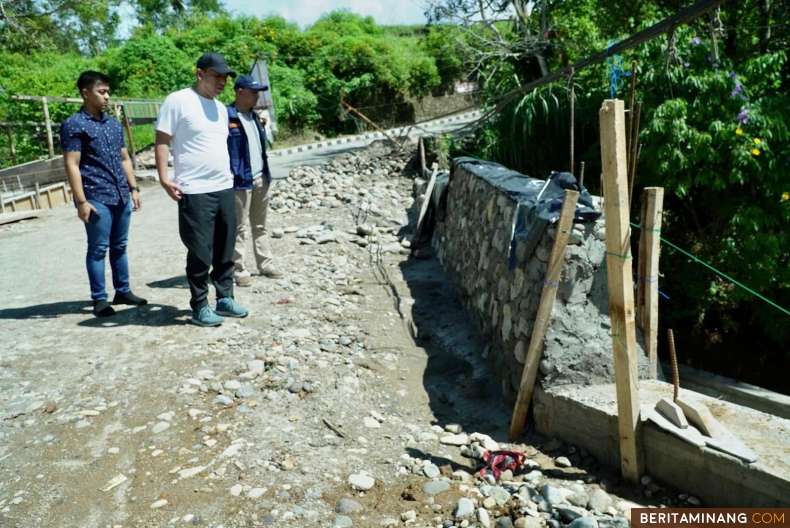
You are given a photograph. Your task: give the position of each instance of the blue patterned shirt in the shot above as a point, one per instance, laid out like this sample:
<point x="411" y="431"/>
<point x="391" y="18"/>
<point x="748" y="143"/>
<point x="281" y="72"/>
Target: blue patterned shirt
<point x="99" y="141"/>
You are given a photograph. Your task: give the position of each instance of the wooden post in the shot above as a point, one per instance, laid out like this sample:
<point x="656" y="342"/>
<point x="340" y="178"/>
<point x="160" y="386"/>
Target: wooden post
<point x="621" y="287"/>
<point x="547" y="297"/>
<point x="48" y="124"/>
<point x="422" y="158"/>
<point x="38" y="196"/>
<point x="128" y="126"/>
<point x="2" y="204"/>
<point x="11" y="146"/>
<point x="426" y="201"/>
<point x="647" y="288"/>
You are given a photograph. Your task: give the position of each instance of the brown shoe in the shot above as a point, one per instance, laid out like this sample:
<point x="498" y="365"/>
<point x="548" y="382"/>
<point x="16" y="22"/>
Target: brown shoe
<point x="272" y="273"/>
<point x="244" y="281"/>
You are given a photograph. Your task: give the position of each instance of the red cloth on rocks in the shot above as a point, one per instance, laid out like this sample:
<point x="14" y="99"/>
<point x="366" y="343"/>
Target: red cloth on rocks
<point x="497" y="462"/>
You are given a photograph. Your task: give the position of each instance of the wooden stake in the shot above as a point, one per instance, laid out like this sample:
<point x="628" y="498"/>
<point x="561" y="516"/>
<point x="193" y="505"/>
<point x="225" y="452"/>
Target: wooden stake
<point x="631" y="96"/>
<point x="48" y="124"/>
<point x="633" y="154"/>
<point x="426" y="201"/>
<point x="422" y="158"/>
<point x="38" y="196"/>
<point x="371" y="123"/>
<point x="621" y="290"/>
<point x="547" y="297"/>
<point x="573" y="121"/>
<point x="647" y="288"/>
<point x="128" y="126"/>
<point x="11" y="144"/>
<point x="2" y="204"/>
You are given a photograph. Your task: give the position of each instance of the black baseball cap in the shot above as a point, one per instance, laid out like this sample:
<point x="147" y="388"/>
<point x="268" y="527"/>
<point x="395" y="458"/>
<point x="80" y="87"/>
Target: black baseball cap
<point x="216" y="62"/>
<point x="248" y="81"/>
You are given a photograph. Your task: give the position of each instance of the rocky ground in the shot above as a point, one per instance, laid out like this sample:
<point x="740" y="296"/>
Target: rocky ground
<point x="355" y="393"/>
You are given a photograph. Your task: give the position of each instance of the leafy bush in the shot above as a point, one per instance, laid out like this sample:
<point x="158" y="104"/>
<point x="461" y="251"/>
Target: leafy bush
<point x="295" y="104"/>
<point x="720" y="143"/>
<point x="43" y="73"/>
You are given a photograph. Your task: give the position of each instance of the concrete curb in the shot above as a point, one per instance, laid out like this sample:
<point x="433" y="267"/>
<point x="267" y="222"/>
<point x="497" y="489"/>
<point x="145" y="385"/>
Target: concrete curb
<point x="373" y="135"/>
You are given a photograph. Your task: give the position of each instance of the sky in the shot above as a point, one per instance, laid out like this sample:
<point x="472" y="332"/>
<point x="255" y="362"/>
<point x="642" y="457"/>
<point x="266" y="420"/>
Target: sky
<point x="306" y="12"/>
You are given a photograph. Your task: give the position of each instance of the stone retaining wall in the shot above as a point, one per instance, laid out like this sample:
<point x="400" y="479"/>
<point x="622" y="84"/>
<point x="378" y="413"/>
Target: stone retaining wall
<point x="434" y="107"/>
<point x="473" y="245"/>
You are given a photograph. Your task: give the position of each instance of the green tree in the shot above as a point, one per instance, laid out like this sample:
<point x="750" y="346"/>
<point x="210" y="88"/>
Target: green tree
<point x="58" y="25"/>
<point x="453" y="61"/>
<point x="148" y="67"/>
<point x="164" y="14"/>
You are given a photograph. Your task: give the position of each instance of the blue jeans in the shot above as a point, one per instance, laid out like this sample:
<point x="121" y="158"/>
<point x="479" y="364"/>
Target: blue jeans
<point x="111" y="232"/>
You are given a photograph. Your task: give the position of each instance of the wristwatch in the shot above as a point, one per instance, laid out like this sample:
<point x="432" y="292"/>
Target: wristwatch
<point x="132" y="189"/>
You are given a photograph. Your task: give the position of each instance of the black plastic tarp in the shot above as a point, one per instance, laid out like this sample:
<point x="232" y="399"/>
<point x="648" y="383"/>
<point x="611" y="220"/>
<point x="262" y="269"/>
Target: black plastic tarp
<point x="539" y="201"/>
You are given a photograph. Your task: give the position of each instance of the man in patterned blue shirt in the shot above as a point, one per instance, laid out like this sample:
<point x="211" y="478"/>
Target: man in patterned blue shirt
<point x="103" y="184"/>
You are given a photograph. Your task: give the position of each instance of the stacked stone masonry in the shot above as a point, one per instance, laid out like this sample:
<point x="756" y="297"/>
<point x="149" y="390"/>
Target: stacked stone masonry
<point x="473" y="245"/>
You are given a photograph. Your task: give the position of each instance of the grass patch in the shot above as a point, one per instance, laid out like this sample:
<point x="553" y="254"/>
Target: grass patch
<point x="143" y="135"/>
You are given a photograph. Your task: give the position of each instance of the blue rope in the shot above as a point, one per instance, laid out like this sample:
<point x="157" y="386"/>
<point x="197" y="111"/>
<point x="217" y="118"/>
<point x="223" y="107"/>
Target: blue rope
<point x="549" y="283"/>
<point x="617" y="74"/>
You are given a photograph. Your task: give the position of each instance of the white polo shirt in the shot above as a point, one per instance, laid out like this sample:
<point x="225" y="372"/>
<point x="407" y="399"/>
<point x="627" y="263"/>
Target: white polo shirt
<point x="199" y="127"/>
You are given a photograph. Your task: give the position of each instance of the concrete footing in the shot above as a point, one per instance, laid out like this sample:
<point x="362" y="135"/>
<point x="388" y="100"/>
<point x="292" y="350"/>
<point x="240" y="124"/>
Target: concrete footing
<point x="587" y="417"/>
<point x="734" y="391"/>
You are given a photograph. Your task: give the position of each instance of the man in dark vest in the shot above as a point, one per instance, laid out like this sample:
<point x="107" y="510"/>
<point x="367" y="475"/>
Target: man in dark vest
<point x="251" y="180"/>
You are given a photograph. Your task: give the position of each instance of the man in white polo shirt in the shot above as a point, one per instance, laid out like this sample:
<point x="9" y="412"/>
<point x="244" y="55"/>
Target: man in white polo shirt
<point x="197" y="125"/>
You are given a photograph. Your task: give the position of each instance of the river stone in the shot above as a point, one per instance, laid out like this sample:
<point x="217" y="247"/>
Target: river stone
<point x="600" y="501"/>
<point x="362" y="482"/>
<point x="463" y="508"/>
<point x="552" y="495"/>
<point x="584" y="522"/>
<point x="343" y="521"/>
<point x="435" y="487"/>
<point x="348" y="506"/>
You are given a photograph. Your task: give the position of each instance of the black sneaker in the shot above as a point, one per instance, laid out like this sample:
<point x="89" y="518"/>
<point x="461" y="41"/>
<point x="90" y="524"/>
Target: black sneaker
<point x="102" y="308"/>
<point x="128" y="298"/>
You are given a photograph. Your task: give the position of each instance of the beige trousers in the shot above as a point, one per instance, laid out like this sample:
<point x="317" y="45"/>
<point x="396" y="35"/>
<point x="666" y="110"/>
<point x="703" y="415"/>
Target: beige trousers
<point x="254" y="205"/>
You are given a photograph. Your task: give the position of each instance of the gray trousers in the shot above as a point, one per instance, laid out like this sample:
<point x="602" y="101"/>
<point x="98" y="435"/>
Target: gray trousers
<point x="252" y="204"/>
